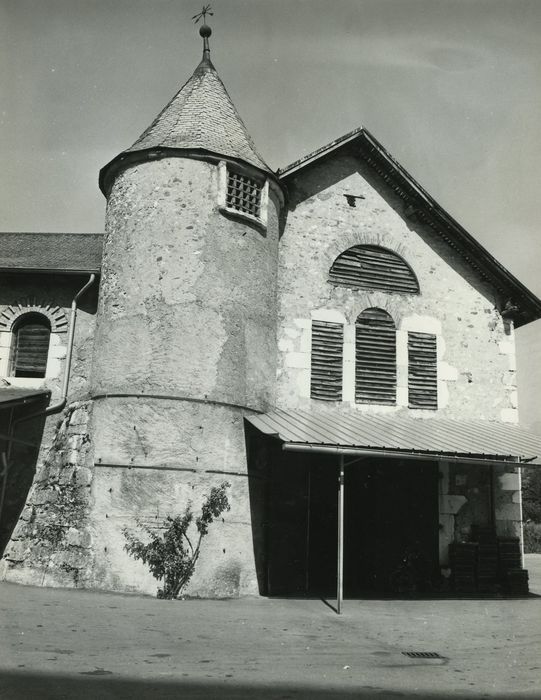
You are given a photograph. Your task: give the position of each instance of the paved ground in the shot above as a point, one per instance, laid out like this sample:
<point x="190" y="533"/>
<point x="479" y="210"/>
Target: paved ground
<point x="80" y="644"/>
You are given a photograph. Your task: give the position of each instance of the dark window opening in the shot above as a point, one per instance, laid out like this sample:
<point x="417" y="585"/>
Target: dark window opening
<point x="243" y="194"/>
<point x="327" y="351"/>
<point x="373" y="267"/>
<point x="375" y="358"/>
<point x="30" y="349"/>
<point x="422" y="371"/>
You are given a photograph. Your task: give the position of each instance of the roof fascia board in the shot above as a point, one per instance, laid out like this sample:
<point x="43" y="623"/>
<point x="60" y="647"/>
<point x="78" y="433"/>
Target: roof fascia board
<point x="319" y="153"/>
<point x="48" y="271"/>
<point x="396" y="454"/>
<point x="433" y="215"/>
<point x="23" y="400"/>
<point x="126" y="159"/>
<point x="436" y="217"/>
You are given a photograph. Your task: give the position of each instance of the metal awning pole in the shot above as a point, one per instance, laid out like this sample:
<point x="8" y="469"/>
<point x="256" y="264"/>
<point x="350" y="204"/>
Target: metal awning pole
<point x="521" y="516"/>
<point x="340" y="572"/>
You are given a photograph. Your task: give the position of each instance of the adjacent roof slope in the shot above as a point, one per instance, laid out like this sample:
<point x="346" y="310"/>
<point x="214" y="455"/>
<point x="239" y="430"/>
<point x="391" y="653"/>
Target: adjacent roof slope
<point x="200" y="117"/>
<point x="441" y="438"/>
<point x="13" y="396"/>
<point x="419" y="205"/>
<point x="51" y="252"/>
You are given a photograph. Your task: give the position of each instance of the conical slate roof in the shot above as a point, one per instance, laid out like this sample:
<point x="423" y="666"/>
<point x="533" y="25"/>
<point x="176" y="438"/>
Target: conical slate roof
<point x="202" y="116"/>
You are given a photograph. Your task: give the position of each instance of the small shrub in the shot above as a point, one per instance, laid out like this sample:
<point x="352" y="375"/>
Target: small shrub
<point x="171" y="555"/>
<point x="531" y="493"/>
<point x="532" y="538"/>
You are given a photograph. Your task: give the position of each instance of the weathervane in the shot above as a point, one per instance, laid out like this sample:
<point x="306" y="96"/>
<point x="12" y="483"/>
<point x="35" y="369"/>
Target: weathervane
<point x="204" y="30"/>
<point x="207" y="10"/>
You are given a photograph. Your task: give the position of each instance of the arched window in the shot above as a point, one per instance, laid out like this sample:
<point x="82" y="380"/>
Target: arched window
<point x="373" y="267"/>
<point x="30" y="347"/>
<point x="375" y="358"/>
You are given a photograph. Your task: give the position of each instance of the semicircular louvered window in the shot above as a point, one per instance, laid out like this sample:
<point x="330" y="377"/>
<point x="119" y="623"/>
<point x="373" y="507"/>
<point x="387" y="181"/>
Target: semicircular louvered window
<point x="375" y="357"/>
<point x="373" y="267"/>
<point x="30" y="347"/>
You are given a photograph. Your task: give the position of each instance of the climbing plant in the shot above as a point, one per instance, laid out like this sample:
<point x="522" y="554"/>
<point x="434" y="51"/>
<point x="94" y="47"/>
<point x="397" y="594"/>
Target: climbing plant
<point x="171" y="555"/>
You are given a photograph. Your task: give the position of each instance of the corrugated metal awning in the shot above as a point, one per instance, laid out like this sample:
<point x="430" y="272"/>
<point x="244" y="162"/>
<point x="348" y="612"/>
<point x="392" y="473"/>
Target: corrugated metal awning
<point x="15" y="396"/>
<point x="440" y="438"/>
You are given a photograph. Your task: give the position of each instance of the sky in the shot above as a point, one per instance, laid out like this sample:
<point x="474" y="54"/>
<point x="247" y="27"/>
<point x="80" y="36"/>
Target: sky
<point x="450" y="87"/>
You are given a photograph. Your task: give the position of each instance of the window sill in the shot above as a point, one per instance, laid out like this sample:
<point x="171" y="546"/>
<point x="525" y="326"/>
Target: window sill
<point x="242" y="216"/>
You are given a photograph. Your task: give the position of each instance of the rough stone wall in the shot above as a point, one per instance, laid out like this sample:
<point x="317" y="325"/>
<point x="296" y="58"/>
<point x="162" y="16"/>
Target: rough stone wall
<point x="154" y="457"/>
<point x="476" y="355"/>
<point x="51" y="544"/>
<point x="188" y="295"/>
<point x="60" y="488"/>
<point x="507" y="501"/>
<point x="185" y="344"/>
<point x="468" y="494"/>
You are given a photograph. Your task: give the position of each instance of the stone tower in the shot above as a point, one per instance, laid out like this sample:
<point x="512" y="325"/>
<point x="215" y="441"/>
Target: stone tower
<point x="185" y="343"/>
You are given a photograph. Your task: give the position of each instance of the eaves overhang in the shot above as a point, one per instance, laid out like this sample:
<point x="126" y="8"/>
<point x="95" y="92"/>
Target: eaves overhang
<point x="49" y="271"/>
<point x="419" y="205"/>
<point x="10" y="397"/>
<point x="399" y="437"/>
<point x="128" y="159"/>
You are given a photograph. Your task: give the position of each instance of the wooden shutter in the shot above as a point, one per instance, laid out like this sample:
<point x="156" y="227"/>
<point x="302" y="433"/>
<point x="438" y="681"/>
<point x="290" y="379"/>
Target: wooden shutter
<point x="327" y="353"/>
<point x="31" y="348"/>
<point x="375" y="358"/>
<point x="373" y="267"/>
<point x="422" y="371"/>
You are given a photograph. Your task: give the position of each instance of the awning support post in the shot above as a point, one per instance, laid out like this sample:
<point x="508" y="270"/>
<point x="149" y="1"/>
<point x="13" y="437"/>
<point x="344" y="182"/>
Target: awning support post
<point x="340" y="572"/>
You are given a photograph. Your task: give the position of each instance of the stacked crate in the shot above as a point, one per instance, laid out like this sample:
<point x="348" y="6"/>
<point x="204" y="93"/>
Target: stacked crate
<point x="511" y="573"/>
<point x="463" y="561"/>
<point x="487" y="559"/>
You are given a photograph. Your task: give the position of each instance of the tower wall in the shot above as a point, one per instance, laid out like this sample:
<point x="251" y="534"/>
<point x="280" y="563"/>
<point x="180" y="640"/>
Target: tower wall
<point x="185" y="346"/>
<point x="188" y="296"/>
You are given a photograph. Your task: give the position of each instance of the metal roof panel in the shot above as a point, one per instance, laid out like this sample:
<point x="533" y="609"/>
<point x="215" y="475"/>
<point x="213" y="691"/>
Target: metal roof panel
<point x="437" y="436"/>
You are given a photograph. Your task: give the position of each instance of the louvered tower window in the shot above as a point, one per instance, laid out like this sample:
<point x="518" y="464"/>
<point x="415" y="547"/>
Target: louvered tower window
<point x="327" y="353"/>
<point x="373" y="267"/>
<point x="243" y="194"/>
<point x="375" y="358"/>
<point x="30" y="348"/>
<point x="422" y="371"/>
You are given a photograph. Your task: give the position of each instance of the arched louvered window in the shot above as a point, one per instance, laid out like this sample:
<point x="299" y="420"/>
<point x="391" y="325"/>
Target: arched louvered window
<point x="30" y="348"/>
<point x="375" y="358"/>
<point x="373" y="267"/>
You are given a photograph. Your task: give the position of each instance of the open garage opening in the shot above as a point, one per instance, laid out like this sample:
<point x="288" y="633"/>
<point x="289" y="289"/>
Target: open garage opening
<point x="391" y="528"/>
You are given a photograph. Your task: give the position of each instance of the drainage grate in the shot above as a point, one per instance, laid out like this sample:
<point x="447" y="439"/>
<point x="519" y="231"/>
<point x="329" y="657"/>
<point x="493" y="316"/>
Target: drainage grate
<point x="422" y="654"/>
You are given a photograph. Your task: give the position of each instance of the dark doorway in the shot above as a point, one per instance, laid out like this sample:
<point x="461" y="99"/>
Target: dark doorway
<point x="391" y="525"/>
<point x="21" y="458"/>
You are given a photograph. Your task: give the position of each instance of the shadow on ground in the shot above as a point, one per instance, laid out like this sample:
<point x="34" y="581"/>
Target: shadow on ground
<point x="22" y="686"/>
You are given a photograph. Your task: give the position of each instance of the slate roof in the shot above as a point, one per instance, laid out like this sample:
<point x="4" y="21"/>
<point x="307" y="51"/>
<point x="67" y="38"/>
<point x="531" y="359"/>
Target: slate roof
<point x="201" y="117"/>
<point x="420" y="206"/>
<point x="51" y="252"/>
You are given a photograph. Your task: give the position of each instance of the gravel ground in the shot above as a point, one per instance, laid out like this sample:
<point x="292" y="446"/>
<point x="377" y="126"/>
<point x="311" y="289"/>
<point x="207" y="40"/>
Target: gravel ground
<point x="67" y="644"/>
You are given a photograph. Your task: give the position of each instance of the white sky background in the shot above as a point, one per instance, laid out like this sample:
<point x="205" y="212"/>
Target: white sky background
<point x="450" y="87"/>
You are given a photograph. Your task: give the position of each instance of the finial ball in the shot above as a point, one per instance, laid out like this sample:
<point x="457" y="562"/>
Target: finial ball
<point x="205" y="31"/>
